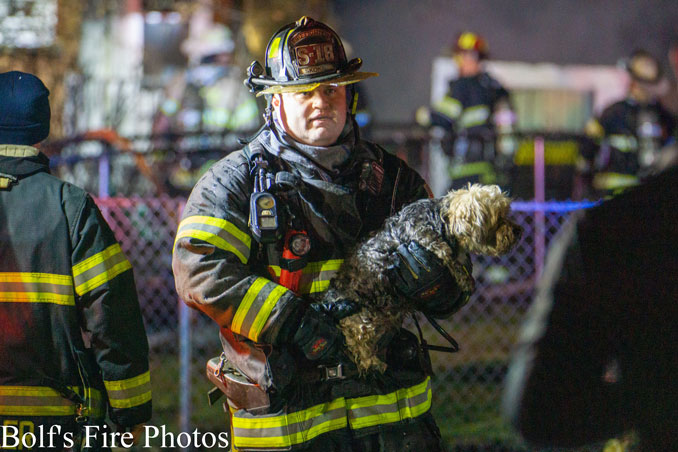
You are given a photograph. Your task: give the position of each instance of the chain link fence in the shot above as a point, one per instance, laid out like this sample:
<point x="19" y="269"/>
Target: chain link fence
<point x="467" y="384"/>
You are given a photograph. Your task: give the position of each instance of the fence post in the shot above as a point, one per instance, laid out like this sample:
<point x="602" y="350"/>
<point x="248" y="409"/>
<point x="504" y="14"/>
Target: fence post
<point x="539" y="195"/>
<point x="185" y="358"/>
<point x="104" y="173"/>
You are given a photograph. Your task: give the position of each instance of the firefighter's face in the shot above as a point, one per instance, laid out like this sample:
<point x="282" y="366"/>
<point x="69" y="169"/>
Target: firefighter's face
<point x="316" y="117"/>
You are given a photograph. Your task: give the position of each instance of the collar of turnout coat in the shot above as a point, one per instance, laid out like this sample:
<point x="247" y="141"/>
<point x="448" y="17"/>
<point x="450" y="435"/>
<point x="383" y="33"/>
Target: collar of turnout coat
<point x="18" y="161"/>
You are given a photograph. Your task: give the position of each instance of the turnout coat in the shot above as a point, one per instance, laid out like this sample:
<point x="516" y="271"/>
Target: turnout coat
<point x="71" y="331"/>
<point x="222" y="271"/>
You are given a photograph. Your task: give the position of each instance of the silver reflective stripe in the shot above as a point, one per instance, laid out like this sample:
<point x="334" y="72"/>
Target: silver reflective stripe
<point x="474" y="116"/>
<point x="624" y="143"/>
<point x="316" y="276"/>
<point x="36" y="287"/>
<point x="286" y="430"/>
<point x="99" y="269"/>
<point x="402" y="404"/>
<point x="255" y="307"/>
<point x="219" y="232"/>
<point x="42" y="401"/>
<point x="449" y="107"/>
<point x="18" y="287"/>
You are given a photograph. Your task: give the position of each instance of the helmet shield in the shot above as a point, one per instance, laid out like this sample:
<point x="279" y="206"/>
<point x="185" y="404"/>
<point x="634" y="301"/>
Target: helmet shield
<point x="302" y="56"/>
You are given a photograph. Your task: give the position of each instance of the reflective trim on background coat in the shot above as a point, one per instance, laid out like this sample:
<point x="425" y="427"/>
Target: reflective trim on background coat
<point x="66" y="289"/>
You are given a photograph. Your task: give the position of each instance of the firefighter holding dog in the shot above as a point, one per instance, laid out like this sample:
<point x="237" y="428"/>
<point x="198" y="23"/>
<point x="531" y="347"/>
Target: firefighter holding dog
<point x="263" y="233"/>
<point x="72" y="343"/>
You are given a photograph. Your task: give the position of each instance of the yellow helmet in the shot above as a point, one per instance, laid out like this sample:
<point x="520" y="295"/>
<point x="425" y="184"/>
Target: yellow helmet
<point x="471" y="42"/>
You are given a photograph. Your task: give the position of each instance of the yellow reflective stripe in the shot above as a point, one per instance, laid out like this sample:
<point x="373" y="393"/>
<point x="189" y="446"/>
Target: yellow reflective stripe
<point x="219" y="232"/>
<point x="288" y="429"/>
<point x="276" y="270"/>
<point x="623" y="143"/>
<point x="316" y="276"/>
<point x="255" y="307"/>
<point x="42" y="401"/>
<point x="393" y="407"/>
<point x="265" y="311"/>
<point x="130" y="392"/>
<point x="474" y="116"/>
<point x="612" y="181"/>
<point x="273" y="50"/>
<point x="449" y="107"/>
<point x="472" y="169"/>
<point x="28" y="287"/>
<point x="99" y="269"/>
<point x="246" y="303"/>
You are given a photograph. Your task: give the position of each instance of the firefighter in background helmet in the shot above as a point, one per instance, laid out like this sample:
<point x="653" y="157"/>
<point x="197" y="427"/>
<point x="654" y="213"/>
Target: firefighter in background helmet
<point x="208" y="97"/>
<point x="478" y="113"/>
<point x="626" y="139"/>
<point x="73" y="350"/>
<point x="263" y="233"/>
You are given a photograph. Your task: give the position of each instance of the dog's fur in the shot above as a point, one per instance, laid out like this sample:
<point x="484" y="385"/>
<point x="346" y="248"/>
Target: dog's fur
<point x="472" y="220"/>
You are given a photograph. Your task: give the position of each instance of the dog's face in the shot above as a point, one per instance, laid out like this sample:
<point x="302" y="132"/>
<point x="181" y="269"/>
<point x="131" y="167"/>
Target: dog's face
<point x="477" y="217"/>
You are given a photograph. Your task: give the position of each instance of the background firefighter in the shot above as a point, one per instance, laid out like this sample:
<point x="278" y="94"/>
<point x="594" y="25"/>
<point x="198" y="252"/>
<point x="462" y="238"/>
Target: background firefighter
<point x="476" y="112"/>
<point x="72" y="343"/>
<point x="332" y="189"/>
<point x="626" y="140"/>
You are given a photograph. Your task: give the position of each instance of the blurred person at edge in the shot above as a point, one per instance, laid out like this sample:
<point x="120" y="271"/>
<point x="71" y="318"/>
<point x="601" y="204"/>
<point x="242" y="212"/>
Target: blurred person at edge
<point x="625" y="141"/>
<point x="477" y="113"/>
<point x="596" y="356"/>
<point x="670" y="99"/>
<point x="209" y="97"/>
<point x="73" y="349"/>
<point x="331" y="190"/>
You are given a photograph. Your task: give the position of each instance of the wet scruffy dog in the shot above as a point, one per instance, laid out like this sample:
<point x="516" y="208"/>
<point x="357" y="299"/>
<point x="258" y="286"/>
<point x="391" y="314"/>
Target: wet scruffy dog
<point x="471" y="220"/>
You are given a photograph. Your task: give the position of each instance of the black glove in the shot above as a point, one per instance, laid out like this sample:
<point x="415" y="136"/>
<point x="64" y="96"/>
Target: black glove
<point x="336" y="309"/>
<point x="420" y="276"/>
<point x="317" y="336"/>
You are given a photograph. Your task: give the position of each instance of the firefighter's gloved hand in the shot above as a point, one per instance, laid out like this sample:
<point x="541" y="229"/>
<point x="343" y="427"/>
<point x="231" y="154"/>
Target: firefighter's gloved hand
<point x="318" y="337"/>
<point x="422" y="277"/>
<point x="336" y="309"/>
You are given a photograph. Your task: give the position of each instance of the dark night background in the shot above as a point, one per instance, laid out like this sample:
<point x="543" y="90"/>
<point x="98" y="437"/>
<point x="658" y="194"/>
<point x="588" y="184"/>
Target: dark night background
<point x="400" y="38"/>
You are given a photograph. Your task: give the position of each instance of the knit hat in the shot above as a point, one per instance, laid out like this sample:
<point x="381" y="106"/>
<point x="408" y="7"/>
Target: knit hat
<point x="24" y="109"/>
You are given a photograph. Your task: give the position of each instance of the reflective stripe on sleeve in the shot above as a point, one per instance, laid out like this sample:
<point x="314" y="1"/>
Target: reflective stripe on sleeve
<point x="393" y="407"/>
<point x="99" y="269"/>
<point x="288" y="429"/>
<point x="255" y="307"/>
<point x="42" y="401"/>
<point x="130" y="392"/>
<point x="614" y="181"/>
<point x="623" y="143"/>
<point x="316" y="276"/>
<point x="219" y="232"/>
<point x="36" y="288"/>
<point x="449" y="107"/>
<point x="484" y="170"/>
<point x="474" y="116"/>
